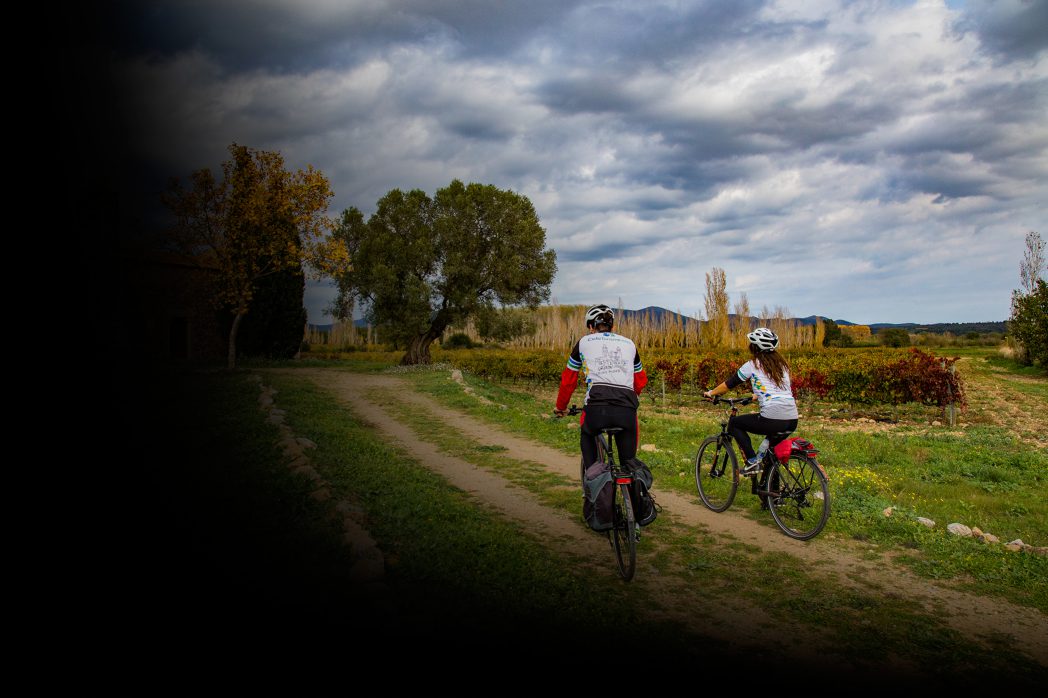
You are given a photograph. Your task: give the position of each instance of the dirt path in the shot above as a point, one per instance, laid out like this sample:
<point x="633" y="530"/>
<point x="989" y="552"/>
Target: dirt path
<point x="842" y="562"/>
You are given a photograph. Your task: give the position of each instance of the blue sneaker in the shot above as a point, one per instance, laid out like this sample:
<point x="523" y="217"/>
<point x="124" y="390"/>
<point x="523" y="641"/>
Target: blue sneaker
<point x="753" y="466"/>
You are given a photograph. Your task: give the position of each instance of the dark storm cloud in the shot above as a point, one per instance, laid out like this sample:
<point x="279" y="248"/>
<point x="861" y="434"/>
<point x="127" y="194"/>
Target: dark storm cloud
<point x="594" y="95"/>
<point x="298" y="36"/>
<point x="253" y="34"/>
<point x="901" y="143"/>
<point x="1011" y="29"/>
<point x="623" y="37"/>
<point x="617" y="250"/>
<point x="939" y="179"/>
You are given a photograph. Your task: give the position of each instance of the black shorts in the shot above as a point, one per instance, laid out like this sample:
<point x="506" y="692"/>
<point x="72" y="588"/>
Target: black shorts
<point x="597" y="417"/>
<point x="756" y="424"/>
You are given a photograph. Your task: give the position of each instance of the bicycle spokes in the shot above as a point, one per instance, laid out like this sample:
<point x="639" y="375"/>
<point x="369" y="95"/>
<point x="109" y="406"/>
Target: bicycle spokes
<point x="798" y="497"/>
<point x="717" y="469"/>
<point x="716" y="474"/>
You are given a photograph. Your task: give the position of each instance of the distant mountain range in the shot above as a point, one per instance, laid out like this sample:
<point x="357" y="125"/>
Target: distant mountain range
<point x="658" y="313"/>
<point x="934" y="328"/>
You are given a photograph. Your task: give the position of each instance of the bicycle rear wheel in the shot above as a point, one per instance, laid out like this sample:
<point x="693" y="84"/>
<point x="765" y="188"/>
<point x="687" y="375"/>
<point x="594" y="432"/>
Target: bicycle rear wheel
<point x="716" y="474"/>
<point x="799" y="497"/>
<point x="624" y="534"/>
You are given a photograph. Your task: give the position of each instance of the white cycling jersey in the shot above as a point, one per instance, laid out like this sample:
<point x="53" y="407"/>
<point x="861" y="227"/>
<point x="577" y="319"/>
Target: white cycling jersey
<point x="776" y="401"/>
<point x="610" y="364"/>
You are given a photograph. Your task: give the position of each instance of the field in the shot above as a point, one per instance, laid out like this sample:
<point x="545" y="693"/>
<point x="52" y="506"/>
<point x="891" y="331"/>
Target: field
<point x="466" y="487"/>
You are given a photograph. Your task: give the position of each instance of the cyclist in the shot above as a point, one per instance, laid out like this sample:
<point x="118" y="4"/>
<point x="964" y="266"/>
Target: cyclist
<point x="769" y="377"/>
<point x="614" y="378"/>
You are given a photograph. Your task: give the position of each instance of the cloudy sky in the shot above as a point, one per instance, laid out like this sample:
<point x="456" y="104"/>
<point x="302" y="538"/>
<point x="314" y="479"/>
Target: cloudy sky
<point x="873" y="161"/>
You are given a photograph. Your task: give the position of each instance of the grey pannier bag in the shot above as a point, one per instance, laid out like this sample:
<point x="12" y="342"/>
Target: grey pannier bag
<point x="644" y="508"/>
<point x="598" y="498"/>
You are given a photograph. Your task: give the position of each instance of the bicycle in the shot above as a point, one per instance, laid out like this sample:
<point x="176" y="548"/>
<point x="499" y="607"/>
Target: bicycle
<point x="796" y="490"/>
<point x="624" y="533"/>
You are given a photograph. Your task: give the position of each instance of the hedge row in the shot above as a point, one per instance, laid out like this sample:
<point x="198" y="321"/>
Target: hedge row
<point x="869" y="376"/>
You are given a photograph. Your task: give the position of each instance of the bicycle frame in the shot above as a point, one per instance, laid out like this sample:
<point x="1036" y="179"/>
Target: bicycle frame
<point x="794" y="489"/>
<point x="605" y="444"/>
<point x="623" y="535"/>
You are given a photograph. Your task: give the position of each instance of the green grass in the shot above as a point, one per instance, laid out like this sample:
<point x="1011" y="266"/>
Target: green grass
<point x="779" y="584"/>
<point x="230" y="551"/>
<point x="249" y="558"/>
<point x="1021" y="381"/>
<point x="983" y="478"/>
<point x="261" y="552"/>
<point x="455" y="558"/>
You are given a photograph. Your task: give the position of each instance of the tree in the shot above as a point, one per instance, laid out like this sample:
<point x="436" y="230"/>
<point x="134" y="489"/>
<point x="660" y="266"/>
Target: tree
<point x="894" y="337"/>
<point x="716" y="331"/>
<point x="1029" y="320"/>
<point x="276" y="324"/>
<point x="1029" y="324"/>
<point x="1033" y="265"/>
<point x="422" y="264"/>
<point x="818" y="337"/>
<point x="833" y="334"/>
<point x="504" y="324"/>
<point x="742" y="322"/>
<point x="257" y="221"/>
<point x="857" y="333"/>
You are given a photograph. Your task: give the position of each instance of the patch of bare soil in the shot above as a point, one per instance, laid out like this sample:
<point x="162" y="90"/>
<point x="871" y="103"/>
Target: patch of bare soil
<point x="842" y="562"/>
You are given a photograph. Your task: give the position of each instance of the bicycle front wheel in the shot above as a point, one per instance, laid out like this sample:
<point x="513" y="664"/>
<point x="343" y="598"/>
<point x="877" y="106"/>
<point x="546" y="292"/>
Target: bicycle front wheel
<point x="716" y="473"/>
<point x="798" y="496"/>
<point x="624" y="534"/>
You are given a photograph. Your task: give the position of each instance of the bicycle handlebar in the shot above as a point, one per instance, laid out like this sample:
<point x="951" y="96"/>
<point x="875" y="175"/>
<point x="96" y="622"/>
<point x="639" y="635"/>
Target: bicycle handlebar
<point x="572" y="411"/>
<point x="732" y="400"/>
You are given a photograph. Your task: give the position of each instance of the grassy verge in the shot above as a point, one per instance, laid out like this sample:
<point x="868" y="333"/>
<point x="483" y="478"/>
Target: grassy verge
<point x="248" y="558"/>
<point x="232" y="563"/>
<point x="462" y="573"/>
<point x="723" y="569"/>
<point x="980" y="476"/>
<point x="890" y="626"/>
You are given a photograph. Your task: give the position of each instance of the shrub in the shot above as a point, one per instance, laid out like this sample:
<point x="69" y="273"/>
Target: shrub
<point x="459" y="340"/>
<point x="894" y="337"/>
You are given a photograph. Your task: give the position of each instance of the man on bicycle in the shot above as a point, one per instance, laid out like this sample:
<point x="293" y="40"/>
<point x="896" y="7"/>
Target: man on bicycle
<point x="614" y="378"/>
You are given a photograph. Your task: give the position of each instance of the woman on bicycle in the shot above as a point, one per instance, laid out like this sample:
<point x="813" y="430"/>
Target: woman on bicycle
<point x="614" y="378"/>
<point x="769" y="377"/>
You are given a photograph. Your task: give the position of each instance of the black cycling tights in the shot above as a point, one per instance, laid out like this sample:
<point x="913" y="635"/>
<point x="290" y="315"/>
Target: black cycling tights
<point x="756" y="424"/>
<point x="600" y="416"/>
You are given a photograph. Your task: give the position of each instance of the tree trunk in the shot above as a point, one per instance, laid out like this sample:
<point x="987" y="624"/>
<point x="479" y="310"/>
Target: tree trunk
<point x="418" y="348"/>
<point x="232" y="362"/>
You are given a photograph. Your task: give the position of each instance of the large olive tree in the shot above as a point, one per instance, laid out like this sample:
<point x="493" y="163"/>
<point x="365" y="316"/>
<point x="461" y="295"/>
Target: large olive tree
<point x="421" y="264"/>
<point x="257" y="221"/>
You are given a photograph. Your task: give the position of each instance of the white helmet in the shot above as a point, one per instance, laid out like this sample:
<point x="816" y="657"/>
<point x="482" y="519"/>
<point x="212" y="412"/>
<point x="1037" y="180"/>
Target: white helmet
<point x="600" y="315"/>
<point x="764" y="338"/>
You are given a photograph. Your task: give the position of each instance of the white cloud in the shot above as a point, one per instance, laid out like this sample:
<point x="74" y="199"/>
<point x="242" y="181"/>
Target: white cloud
<point x="872" y="161"/>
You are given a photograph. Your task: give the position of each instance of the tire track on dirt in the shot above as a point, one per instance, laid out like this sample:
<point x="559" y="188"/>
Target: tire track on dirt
<point x="972" y="615"/>
<point x="726" y="619"/>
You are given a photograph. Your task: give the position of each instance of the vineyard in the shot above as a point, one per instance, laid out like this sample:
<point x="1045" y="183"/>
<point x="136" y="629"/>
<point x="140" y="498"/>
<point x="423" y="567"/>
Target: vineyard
<point x="856" y="376"/>
<point x="865" y="376"/>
